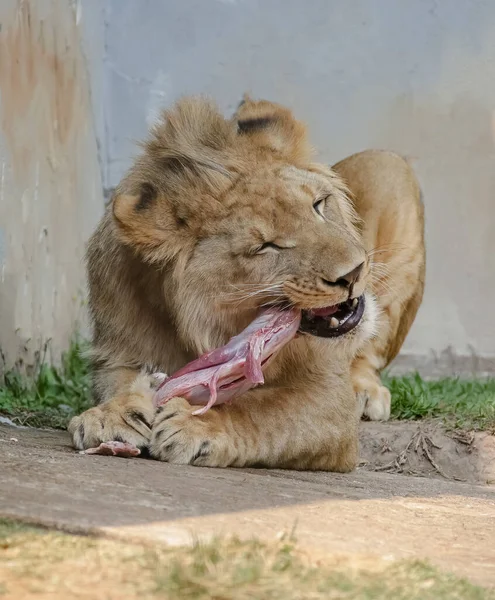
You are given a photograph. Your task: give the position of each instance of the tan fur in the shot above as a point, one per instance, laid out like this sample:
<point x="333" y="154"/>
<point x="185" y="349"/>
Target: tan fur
<point x="173" y="271"/>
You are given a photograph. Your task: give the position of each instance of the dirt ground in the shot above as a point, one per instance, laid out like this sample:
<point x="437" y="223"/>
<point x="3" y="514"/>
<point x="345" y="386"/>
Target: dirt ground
<point x="443" y="514"/>
<point x="426" y="449"/>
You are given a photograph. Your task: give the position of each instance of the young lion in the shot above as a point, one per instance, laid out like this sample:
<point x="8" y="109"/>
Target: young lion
<point x="216" y="219"/>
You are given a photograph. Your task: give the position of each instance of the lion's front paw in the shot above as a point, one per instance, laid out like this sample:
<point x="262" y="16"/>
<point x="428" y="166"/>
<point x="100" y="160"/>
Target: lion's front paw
<point x="123" y="419"/>
<point x="375" y="402"/>
<point x="180" y="437"/>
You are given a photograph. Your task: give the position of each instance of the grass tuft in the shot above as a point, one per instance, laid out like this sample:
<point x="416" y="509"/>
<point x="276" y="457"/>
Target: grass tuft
<point x="461" y="403"/>
<point x="52" y="396"/>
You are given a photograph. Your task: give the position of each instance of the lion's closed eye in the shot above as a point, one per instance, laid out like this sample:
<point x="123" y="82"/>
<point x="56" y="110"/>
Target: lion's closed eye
<point x="267" y="247"/>
<point x="270" y="247"/>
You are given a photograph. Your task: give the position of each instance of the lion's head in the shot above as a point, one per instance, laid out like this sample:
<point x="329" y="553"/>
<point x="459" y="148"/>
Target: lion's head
<point x="236" y="215"/>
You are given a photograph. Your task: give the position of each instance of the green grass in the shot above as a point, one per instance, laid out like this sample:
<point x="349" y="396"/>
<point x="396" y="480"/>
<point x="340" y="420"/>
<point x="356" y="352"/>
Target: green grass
<point x="461" y="403"/>
<point x="53" y="395"/>
<point x="38" y="561"/>
<point x="9" y="528"/>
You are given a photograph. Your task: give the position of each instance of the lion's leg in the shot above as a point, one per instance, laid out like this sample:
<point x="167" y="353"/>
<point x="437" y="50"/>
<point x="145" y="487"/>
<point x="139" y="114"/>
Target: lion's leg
<point x="394" y="324"/>
<point x="373" y="397"/>
<point x="273" y="429"/>
<point x="388" y="199"/>
<point x="125" y="413"/>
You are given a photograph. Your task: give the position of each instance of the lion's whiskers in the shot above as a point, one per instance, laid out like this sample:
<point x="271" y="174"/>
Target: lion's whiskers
<point x="385" y="248"/>
<point x="380" y="276"/>
<point x="274" y="290"/>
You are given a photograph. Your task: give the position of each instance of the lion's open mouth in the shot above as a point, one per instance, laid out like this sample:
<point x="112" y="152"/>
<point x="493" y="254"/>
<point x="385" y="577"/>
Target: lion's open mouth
<point x="333" y="321"/>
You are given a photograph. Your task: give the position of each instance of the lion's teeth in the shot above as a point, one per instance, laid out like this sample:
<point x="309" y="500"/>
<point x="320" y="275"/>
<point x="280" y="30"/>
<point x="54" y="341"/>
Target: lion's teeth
<point x="355" y="303"/>
<point x="334" y="322"/>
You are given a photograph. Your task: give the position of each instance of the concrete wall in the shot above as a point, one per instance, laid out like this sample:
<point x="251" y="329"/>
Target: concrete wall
<point x="50" y="180"/>
<point x="414" y="77"/>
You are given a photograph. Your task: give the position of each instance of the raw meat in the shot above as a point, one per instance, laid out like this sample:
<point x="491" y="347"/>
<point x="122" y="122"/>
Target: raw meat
<point x="220" y="375"/>
<point x="123" y="449"/>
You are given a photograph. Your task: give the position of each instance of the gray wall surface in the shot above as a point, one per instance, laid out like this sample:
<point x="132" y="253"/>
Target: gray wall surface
<point x="50" y="179"/>
<point x="414" y="77"/>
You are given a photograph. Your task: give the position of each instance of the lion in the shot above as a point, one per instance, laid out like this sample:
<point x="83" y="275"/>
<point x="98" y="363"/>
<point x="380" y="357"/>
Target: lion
<point x="217" y="218"/>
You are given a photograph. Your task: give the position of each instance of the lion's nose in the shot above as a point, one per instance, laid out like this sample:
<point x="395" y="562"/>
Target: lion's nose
<point x="347" y="280"/>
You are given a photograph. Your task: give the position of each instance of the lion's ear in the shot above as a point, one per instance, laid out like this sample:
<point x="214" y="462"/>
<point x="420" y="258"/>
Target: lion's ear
<point x="154" y="233"/>
<point x="188" y="160"/>
<point x="273" y="127"/>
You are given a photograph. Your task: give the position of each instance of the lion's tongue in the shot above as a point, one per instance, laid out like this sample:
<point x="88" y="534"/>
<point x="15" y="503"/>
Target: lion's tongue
<point x="326" y="311"/>
<point x="218" y="376"/>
